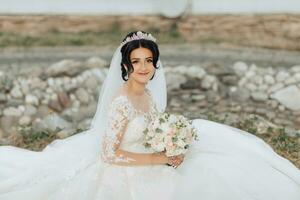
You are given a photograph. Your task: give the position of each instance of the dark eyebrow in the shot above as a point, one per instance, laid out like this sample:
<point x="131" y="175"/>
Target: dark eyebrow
<point x="139" y="58"/>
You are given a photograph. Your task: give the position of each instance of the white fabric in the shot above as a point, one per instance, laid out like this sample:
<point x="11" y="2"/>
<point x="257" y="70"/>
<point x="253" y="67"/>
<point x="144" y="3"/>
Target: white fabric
<point x="226" y="163"/>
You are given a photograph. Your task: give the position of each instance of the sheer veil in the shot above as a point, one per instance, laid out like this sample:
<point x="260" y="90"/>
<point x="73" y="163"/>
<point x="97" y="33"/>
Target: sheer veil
<point x="66" y="156"/>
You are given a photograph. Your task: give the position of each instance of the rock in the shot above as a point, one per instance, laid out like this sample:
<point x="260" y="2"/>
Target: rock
<point x="42" y="111"/>
<point x="2" y="97"/>
<point x="30" y="110"/>
<point x="65" y="67"/>
<point x="84" y="112"/>
<point x="281" y="76"/>
<point x="96" y="62"/>
<point x="37" y="83"/>
<point x="289" y="97"/>
<point x="240" y="68"/>
<point x="91" y="83"/>
<point x="259" y="96"/>
<point x="82" y="95"/>
<point x="212" y="96"/>
<point x="269" y="79"/>
<point x="24" y="120"/>
<point x="290" y="80"/>
<point x="275" y="87"/>
<point x="16" y="92"/>
<point x="196" y="72"/>
<point x="208" y="81"/>
<point x="295" y="69"/>
<point x="65" y="133"/>
<point x="230" y="80"/>
<point x="52" y="123"/>
<point x="191" y="83"/>
<point x="14" y="102"/>
<point x="12" y="111"/>
<point x="174" y="80"/>
<point x="252" y="87"/>
<point x="55" y="105"/>
<point x="6" y="123"/>
<point x="31" y="99"/>
<point x="64" y="99"/>
<point x="239" y="94"/>
<point x="292" y="132"/>
<point x="198" y="97"/>
<point x="85" y="124"/>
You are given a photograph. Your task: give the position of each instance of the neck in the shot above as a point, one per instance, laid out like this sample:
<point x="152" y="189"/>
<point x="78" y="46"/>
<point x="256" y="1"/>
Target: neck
<point x="135" y="88"/>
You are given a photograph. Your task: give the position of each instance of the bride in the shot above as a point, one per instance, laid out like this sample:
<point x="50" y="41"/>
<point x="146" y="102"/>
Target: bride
<point x="109" y="161"/>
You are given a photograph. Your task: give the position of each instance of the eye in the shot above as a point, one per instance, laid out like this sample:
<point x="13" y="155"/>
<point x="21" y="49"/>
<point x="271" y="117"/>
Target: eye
<point x="134" y="62"/>
<point x="149" y="61"/>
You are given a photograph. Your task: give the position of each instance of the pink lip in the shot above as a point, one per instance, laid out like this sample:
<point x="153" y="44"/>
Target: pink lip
<point x="143" y="73"/>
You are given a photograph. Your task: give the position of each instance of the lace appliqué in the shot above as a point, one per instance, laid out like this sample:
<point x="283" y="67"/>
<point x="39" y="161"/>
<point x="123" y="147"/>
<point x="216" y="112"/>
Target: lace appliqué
<point x="118" y="117"/>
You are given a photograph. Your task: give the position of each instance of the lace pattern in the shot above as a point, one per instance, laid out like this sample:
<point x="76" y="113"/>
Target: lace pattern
<point x="120" y="112"/>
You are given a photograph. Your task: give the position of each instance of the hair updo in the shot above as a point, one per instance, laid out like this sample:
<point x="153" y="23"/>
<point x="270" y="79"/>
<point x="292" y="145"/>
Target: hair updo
<point x="127" y="48"/>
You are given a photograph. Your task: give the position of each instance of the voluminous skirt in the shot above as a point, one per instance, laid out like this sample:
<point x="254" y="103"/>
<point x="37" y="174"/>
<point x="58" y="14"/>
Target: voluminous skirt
<point x="226" y="163"/>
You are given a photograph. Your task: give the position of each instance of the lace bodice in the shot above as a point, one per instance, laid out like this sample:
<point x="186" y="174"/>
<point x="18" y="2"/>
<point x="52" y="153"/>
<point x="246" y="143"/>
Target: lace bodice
<point x="125" y="127"/>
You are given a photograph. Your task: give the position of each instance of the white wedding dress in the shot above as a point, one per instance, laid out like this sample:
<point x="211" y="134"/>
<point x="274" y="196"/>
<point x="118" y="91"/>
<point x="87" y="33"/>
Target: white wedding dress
<point x="226" y="163"/>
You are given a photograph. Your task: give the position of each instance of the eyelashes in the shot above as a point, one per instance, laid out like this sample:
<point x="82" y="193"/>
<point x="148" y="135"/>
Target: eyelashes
<point x="149" y="61"/>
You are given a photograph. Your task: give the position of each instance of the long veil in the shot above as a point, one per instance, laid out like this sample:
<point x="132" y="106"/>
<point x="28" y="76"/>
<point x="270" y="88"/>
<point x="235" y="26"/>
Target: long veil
<point x="65" y="157"/>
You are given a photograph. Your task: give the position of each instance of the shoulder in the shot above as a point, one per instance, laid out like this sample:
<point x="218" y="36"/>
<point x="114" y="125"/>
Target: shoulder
<point x="120" y="104"/>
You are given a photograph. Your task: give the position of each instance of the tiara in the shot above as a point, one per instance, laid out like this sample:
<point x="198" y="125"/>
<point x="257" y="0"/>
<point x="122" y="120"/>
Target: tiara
<point x="139" y="35"/>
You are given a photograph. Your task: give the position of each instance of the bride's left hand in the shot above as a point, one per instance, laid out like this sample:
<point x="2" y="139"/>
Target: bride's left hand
<point x="177" y="160"/>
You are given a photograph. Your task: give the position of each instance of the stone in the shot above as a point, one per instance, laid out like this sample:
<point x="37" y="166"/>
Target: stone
<point x="292" y="132"/>
<point x="174" y="80"/>
<point x="259" y="96"/>
<point x="65" y="67"/>
<point x="24" y="120"/>
<point x="191" y="83"/>
<point x="55" y="105"/>
<point x="239" y="94"/>
<point x="14" y="102"/>
<point x="282" y="76"/>
<point x="295" y="69"/>
<point x="240" y="68"/>
<point x="91" y="83"/>
<point x="82" y="95"/>
<point x="16" y="92"/>
<point x="269" y="79"/>
<point x="42" y="111"/>
<point x="196" y="72"/>
<point x="230" y="80"/>
<point x="12" y="111"/>
<point x="31" y="99"/>
<point x="65" y="133"/>
<point x="52" y="123"/>
<point x="96" y="62"/>
<point x="2" y="97"/>
<point x="275" y="87"/>
<point x="64" y="99"/>
<point x="289" y="97"/>
<point x="30" y="110"/>
<point x="208" y="81"/>
<point x="6" y="123"/>
<point x="198" y="97"/>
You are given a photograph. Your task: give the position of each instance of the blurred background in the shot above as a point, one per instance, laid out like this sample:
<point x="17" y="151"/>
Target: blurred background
<point x="232" y="61"/>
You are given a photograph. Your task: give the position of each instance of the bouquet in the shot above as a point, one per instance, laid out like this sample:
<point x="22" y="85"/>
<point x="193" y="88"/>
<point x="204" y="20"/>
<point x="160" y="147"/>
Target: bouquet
<point x="170" y="133"/>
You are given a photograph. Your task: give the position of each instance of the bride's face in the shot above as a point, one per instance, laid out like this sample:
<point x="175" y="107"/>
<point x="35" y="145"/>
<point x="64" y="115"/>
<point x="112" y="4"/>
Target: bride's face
<point x="142" y="62"/>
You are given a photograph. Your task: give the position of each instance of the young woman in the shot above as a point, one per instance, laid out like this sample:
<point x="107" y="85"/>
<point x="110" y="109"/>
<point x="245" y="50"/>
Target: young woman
<point x="110" y="162"/>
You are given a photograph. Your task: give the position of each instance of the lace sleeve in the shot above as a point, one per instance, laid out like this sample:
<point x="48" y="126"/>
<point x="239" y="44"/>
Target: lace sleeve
<point x="118" y="117"/>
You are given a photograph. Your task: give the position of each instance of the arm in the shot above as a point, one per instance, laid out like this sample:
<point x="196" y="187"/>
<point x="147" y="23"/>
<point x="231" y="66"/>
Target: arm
<point x="118" y="116"/>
